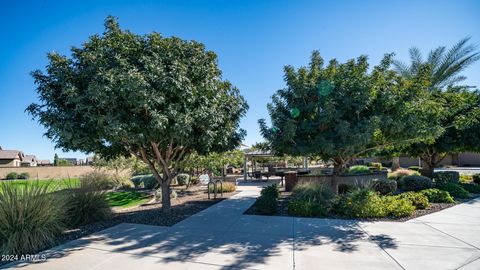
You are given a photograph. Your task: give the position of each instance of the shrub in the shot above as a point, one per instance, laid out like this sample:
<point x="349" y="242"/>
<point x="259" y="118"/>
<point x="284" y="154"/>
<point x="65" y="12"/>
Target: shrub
<point x="435" y="195"/>
<point x="266" y="204"/>
<point x="344" y="188"/>
<point x="376" y="165"/>
<point x="401" y="173"/>
<point x="455" y="191"/>
<point x="270" y="191"/>
<point x="304" y="208"/>
<point x="384" y="186"/>
<point x="445" y="177"/>
<point x="361" y="203"/>
<point x="415" y="183"/>
<point x="358" y="169"/>
<point x="158" y="194"/>
<point x="398" y="207"/>
<point x="471" y="187"/>
<point x="419" y="200"/>
<point x="30" y="218"/>
<point x="415" y="168"/>
<point x="182" y="179"/>
<point x="23" y="175"/>
<point x="98" y="179"/>
<point x="85" y="203"/>
<point x="466" y="178"/>
<point x="226" y="187"/>
<point x="476" y="178"/>
<point x="144" y="181"/>
<point x="313" y="192"/>
<point x="11" y="175"/>
<point x="194" y="180"/>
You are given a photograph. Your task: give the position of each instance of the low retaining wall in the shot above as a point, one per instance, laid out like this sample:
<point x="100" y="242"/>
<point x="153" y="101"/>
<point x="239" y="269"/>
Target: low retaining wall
<point x="53" y="172"/>
<point x="292" y="179"/>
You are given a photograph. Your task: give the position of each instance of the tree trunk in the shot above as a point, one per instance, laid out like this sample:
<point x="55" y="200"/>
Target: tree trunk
<point x="338" y="169"/>
<point x="166" y="204"/>
<point x="430" y="161"/>
<point x="395" y="163"/>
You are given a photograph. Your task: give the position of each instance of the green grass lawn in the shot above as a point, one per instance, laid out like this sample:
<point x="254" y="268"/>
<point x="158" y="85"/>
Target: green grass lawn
<point x="53" y="184"/>
<point x="126" y="199"/>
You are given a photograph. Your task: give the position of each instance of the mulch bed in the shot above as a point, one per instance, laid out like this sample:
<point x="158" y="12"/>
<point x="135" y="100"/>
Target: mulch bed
<point x="188" y="203"/>
<point x="284" y="198"/>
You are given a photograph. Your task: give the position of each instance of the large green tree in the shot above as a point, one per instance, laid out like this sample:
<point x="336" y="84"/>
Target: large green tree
<point x="460" y="115"/>
<point x="122" y="94"/>
<point x="343" y="111"/>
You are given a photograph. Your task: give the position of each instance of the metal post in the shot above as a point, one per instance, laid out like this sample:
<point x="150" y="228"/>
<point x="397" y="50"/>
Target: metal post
<point x="245" y="169"/>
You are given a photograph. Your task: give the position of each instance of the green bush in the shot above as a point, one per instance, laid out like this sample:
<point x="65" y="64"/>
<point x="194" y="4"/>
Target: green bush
<point x="266" y="204"/>
<point x="419" y="200"/>
<point x="376" y="165"/>
<point x="476" y="178"/>
<point x="270" y="191"/>
<point x="471" y="187"/>
<point x="415" y="183"/>
<point x="158" y="194"/>
<point x="23" y="175"/>
<point x="361" y="203"/>
<point x="466" y="178"/>
<point x="226" y="187"/>
<point x="144" y="181"/>
<point x="11" y="175"/>
<point x="182" y="179"/>
<point x="30" y="218"/>
<point x="194" y="180"/>
<point x="358" y="169"/>
<point x="84" y="204"/>
<point x="455" y="190"/>
<point x="445" y="177"/>
<point x="415" y="168"/>
<point x="384" y="186"/>
<point x="401" y="173"/>
<point x="304" y="208"/>
<point x="435" y="195"/>
<point x="98" y="179"/>
<point x="398" y="207"/>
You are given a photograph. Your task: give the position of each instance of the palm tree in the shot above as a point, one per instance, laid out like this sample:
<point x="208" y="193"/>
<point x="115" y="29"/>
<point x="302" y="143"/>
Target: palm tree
<point x="445" y="65"/>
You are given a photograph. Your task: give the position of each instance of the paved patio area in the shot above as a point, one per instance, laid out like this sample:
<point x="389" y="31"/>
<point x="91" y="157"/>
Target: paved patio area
<point x="221" y="237"/>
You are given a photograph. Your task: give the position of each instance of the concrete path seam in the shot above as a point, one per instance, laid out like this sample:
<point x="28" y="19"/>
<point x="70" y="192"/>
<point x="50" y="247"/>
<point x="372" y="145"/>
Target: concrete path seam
<point x="389" y="255"/>
<point x="451" y="236"/>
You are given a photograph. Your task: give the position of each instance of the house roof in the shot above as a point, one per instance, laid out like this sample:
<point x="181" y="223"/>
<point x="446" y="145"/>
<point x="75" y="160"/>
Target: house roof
<point x="30" y="157"/>
<point x="11" y="154"/>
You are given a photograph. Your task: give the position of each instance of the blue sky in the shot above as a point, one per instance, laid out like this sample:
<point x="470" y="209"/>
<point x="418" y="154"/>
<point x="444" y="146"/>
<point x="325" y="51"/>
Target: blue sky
<point x="253" y="40"/>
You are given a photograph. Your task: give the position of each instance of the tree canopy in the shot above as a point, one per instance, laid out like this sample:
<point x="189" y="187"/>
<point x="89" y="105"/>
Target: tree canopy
<point x="158" y="98"/>
<point x="343" y="111"/>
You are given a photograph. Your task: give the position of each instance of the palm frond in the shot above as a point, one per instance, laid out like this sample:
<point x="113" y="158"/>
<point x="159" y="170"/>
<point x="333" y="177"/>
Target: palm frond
<point x="402" y="68"/>
<point x="434" y="57"/>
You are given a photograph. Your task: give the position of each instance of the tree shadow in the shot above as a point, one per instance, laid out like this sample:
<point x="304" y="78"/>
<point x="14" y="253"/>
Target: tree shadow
<point x="228" y="240"/>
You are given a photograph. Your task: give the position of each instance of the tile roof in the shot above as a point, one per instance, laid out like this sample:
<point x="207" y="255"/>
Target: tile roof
<point x="10" y="154"/>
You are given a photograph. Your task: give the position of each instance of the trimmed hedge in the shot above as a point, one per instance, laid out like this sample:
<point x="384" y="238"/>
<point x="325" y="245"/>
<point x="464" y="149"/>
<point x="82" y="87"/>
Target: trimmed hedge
<point x="476" y="178"/>
<point x="415" y="183"/>
<point x="183" y="179"/>
<point x="144" y="181"/>
<point x="471" y="187"/>
<point x="445" y="177"/>
<point x="11" y="176"/>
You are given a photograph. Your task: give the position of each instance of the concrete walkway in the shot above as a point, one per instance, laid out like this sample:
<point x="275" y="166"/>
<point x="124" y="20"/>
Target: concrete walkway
<point x="221" y="237"/>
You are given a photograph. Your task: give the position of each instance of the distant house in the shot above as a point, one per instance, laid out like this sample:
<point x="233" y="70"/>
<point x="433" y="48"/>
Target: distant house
<point x="11" y="158"/>
<point x="29" y="161"/>
<point x="90" y="160"/>
<point x="44" y="162"/>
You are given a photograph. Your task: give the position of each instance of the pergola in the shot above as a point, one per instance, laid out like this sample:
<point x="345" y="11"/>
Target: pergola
<point x="251" y="154"/>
